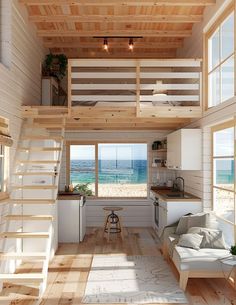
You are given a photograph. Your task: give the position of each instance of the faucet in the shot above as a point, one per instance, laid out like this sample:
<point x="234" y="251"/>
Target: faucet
<point x="175" y="185"/>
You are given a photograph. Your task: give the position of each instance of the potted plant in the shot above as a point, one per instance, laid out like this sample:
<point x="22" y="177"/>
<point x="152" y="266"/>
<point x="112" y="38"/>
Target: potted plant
<point x="233" y="251"/>
<point x="55" y="65"/>
<point x="83" y="189"/>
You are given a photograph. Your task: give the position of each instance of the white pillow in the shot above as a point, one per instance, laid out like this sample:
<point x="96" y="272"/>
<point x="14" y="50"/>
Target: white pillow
<point x="190" y="240"/>
<point x="212" y="239"/>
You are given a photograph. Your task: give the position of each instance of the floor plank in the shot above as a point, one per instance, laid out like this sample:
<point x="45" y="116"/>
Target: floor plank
<point x="69" y="269"/>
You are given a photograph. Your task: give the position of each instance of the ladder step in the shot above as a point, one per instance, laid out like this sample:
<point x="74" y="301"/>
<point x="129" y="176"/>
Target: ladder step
<point x="38" y="161"/>
<point x="24" y="235"/>
<point x="35" y="137"/>
<point x="23" y="255"/>
<point x="35" y="174"/>
<point x="32" y="201"/>
<point x="30" y="278"/>
<point x="41" y="149"/>
<point x="29" y="217"/>
<point x="34" y="187"/>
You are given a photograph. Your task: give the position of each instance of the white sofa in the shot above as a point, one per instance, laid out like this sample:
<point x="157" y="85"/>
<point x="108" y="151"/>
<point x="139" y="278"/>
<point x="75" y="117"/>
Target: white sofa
<point x="190" y="263"/>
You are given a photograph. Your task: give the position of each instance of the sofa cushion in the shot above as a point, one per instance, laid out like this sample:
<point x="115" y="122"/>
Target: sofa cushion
<point x="182" y="226"/>
<point x="211" y="238"/>
<point x="190" y="240"/>
<point x="199" y="220"/>
<point x="186" y="259"/>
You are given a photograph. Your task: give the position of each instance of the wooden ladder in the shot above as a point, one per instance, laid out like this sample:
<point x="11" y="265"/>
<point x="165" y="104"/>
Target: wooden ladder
<point x="38" y="160"/>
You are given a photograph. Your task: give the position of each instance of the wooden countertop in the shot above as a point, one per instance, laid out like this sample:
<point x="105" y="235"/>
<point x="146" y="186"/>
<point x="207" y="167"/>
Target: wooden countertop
<point x="163" y="192"/>
<point x="64" y="196"/>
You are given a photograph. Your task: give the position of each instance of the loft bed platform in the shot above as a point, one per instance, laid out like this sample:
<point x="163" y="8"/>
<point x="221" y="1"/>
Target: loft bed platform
<point x="132" y="94"/>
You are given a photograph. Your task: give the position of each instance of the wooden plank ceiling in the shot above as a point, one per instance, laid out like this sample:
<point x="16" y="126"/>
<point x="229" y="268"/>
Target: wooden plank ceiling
<point x="69" y="27"/>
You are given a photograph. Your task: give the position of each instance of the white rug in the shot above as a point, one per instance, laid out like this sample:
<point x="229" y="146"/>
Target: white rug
<point x="132" y="279"/>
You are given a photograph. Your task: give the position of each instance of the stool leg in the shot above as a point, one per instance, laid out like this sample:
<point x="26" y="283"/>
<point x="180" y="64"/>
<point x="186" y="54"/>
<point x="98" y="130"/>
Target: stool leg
<point x="121" y="227"/>
<point x="108" y="230"/>
<point x="105" y="224"/>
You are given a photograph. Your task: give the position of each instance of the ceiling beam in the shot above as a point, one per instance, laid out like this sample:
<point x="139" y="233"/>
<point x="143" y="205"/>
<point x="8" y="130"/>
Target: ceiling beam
<point x="82" y="45"/>
<point x="121" y="3"/>
<point x="118" y="19"/>
<point x="118" y="33"/>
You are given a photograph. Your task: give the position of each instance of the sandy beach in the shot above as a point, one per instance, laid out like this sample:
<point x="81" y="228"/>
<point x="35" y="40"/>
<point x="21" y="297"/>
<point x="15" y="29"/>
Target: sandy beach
<point x="121" y="190"/>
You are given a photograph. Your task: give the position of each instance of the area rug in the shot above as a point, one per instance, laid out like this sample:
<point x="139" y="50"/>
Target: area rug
<point x="131" y="279"/>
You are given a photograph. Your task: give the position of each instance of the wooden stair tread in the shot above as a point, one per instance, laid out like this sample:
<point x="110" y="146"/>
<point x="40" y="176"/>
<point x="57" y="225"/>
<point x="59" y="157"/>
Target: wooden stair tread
<point x="35" y="187"/>
<point x="23" y="277"/>
<point x="23" y="255"/>
<point x="38" y="161"/>
<point x="28" y="217"/>
<point x="35" y="173"/>
<point x="24" y="235"/>
<point x="41" y="149"/>
<point x="38" y="137"/>
<point x="32" y="201"/>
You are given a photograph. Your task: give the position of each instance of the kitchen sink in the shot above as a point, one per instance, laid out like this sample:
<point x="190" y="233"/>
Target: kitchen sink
<point x="177" y="196"/>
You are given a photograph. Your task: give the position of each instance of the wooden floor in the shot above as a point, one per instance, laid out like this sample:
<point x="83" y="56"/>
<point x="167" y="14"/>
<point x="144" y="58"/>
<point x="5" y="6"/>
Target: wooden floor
<point x="69" y="270"/>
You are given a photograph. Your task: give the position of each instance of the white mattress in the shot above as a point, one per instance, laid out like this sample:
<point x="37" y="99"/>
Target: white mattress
<point x="125" y="104"/>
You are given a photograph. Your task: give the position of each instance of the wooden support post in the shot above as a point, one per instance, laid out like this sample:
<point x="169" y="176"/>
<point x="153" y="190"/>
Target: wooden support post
<point x="138" y="88"/>
<point x="183" y="279"/>
<point x="69" y="88"/>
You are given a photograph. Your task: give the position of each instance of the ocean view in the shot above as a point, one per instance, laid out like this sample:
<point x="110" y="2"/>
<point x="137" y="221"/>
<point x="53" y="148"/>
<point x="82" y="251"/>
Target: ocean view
<point x="109" y="171"/>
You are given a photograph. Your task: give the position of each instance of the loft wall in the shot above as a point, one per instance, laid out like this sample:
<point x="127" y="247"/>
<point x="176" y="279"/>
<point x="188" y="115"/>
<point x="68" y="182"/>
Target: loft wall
<point x="20" y="66"/>
<point x="20" y="77"/>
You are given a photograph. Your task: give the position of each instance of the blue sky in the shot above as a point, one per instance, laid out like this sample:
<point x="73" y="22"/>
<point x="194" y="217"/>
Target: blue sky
<point x="110" y="152"/>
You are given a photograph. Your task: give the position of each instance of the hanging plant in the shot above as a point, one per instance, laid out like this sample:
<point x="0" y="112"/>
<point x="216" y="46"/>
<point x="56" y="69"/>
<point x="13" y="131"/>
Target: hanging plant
<point x="55" y="65"/>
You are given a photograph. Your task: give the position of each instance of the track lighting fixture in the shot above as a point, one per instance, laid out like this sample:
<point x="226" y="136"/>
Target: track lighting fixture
<point x="105" y="44"/>
<point x="131" y="44"/>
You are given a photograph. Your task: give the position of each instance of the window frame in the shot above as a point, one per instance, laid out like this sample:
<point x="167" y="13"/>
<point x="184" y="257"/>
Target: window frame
<point x="219" y="21"/>
<point x="226" y="125"/>
<point x="96" y="143"/>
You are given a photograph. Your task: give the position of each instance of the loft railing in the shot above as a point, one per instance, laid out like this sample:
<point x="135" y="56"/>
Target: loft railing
<point x="142" y="88"/>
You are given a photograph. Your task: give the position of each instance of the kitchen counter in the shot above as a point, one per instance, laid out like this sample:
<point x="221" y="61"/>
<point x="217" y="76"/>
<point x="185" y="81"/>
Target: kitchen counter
<point x="163" y="194"/>
<point x="69" y="196"/>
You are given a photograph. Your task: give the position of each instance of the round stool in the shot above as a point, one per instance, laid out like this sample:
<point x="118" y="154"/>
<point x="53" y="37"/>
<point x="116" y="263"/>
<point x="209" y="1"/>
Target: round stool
<point x="112" y="223"/>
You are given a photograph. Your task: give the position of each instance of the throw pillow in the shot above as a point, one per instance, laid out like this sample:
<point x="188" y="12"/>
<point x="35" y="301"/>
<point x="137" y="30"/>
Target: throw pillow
<point x="182" y="226"/>
<point x="199" y="220"/>
<point x="212" y="239"/>
<point x="190" y="240"/>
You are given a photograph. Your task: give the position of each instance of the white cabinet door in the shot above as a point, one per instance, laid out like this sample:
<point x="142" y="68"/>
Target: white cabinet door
<point x="174" y="150"/>
<point x="184" y="149"/>
<point x="68" y="221"/>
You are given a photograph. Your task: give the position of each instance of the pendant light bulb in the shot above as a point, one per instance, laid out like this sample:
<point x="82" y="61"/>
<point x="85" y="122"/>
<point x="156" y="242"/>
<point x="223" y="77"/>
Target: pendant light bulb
<point x="105" y="44"/>
<point x="131" y="44"/>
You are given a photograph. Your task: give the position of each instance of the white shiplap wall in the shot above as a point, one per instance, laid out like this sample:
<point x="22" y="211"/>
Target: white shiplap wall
<point x="20" y="73"/>
<point x="136" y="212"/>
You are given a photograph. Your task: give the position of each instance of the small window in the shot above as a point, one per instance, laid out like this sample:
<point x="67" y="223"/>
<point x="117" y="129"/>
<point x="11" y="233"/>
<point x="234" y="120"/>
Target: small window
<point x="224" y="172"/>
<point x="221" y="61"/>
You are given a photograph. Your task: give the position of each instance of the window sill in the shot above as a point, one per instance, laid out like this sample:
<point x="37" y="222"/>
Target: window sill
<point x="120" y="202"/>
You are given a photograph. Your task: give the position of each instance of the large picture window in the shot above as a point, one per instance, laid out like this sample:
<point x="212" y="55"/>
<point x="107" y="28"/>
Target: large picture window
<point x="220" y="59"/>
<point x="224" y="171"/>
<point x="111" y="170"/>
